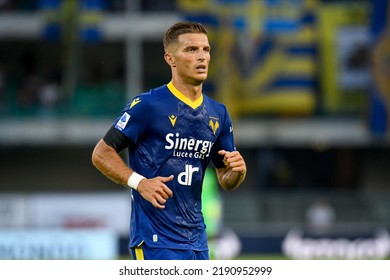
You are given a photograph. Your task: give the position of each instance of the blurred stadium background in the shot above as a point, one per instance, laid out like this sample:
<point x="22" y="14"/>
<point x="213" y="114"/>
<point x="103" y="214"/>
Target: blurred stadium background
<point x="306" y="81"/>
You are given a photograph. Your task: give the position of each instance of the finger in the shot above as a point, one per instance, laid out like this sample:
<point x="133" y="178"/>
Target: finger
<point x="236" y="167"/>
<point x="161" y="200"/>
<point x="166" y="190"/>
<point x="165" y="179"/>
<point x="158" y="206"/>
<point x="234" y="157"/>
<point x="225" y="156"/>
<point x="239" y="169"/>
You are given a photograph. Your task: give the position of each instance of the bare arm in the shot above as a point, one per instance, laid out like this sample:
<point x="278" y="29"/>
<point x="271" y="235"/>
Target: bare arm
<point x="108" y="161"/>
<point x="234" y="172"/>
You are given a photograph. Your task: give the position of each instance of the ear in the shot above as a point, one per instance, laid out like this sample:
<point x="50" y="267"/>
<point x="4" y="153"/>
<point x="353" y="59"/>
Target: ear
<point x="170" y="59"/>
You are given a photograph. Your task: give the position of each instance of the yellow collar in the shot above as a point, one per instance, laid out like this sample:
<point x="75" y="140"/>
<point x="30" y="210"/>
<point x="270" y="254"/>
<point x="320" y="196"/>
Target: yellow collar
<point x="185" y="99"/>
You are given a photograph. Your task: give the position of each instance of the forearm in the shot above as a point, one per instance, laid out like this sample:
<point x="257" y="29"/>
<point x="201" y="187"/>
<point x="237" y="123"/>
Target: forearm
<point x="229" y="179"/>
<point x="108" y="161"/>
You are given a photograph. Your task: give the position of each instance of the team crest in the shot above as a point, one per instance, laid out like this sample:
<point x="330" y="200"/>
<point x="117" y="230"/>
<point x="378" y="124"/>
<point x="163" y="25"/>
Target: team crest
<point x="214" y="125"/>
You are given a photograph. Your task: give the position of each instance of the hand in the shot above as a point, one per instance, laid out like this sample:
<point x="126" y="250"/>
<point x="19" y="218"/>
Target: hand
<point x="234" y="172"/>
<point x="233" y="160"/>
<point x="155" y="191"/>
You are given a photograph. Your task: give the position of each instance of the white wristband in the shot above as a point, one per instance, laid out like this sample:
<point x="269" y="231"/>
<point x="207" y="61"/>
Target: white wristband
<point x="134" y="180"/>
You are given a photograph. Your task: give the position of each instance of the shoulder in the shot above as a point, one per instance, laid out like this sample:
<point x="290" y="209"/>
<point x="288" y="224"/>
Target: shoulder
<point x="218" y="113"/>
<point x="212" y="101"/>
<point x="214" y="104"/>
<point x="146" y="99"/>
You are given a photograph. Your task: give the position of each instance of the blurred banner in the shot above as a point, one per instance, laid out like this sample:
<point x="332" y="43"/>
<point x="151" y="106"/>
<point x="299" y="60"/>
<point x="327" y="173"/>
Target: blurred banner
<point x="12" y="211"/>
<point x="380" y="87"/>
<point x="58" y="244"/>
<point x="63" y="226"/>
<point x="264" y="58"/>
<point x="298" y="245"/>
<point x="50" y="10"/>
<point x="65" y="19"/>
<point x="71" y="210"/>
<point x="344" y="48"/>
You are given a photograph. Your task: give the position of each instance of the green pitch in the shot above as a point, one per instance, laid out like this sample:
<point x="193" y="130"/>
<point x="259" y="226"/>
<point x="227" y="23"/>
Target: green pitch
<point x="247" y="257"/>
<point x="241" y="257"/>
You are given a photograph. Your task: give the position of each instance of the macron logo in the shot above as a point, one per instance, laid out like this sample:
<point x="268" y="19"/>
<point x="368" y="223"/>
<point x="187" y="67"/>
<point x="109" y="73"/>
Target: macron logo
<point x="135" y="102"/>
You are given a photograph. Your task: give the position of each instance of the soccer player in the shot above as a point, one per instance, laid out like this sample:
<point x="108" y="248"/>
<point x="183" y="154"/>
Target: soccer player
<point x="172" y="133"/>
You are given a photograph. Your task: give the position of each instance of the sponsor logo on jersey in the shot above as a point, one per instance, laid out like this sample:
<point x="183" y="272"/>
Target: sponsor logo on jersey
<point x="122" y="122"/>
<point x="188" y="147"/>
<point x="185" y="177"/>
<point x="135" y="102"/>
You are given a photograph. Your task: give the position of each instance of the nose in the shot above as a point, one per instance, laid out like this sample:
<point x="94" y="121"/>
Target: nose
<point x="202" y="55"/>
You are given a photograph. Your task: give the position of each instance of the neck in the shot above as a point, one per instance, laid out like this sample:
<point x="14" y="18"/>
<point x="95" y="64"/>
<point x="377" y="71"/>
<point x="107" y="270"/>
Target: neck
<point x="192" y="92"/>
<point x="179" y="95"/>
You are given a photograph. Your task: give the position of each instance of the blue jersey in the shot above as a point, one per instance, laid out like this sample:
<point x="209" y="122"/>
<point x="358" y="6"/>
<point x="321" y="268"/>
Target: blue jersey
<point x="171" y="135"/>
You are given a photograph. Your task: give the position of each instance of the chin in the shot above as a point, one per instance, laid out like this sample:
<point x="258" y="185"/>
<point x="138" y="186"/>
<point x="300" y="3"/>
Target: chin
<point x="201" y="77"/>
<point x="198" y="79"/>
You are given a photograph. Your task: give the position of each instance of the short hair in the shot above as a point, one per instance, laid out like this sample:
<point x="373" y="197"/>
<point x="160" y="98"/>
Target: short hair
<point x="179" y="28"/>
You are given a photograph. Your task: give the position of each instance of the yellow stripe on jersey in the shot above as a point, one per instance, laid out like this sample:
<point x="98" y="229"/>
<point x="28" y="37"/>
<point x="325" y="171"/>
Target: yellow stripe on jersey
<point x="185" y="99"/>
<point x="139" y="253"/>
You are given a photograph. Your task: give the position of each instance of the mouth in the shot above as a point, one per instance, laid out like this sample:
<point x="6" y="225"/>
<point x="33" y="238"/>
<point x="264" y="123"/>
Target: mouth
<point x="201" y="68"/>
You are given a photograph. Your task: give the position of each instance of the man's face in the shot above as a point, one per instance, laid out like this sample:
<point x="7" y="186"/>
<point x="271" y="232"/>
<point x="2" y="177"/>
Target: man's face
<point x="191" y="57"/>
